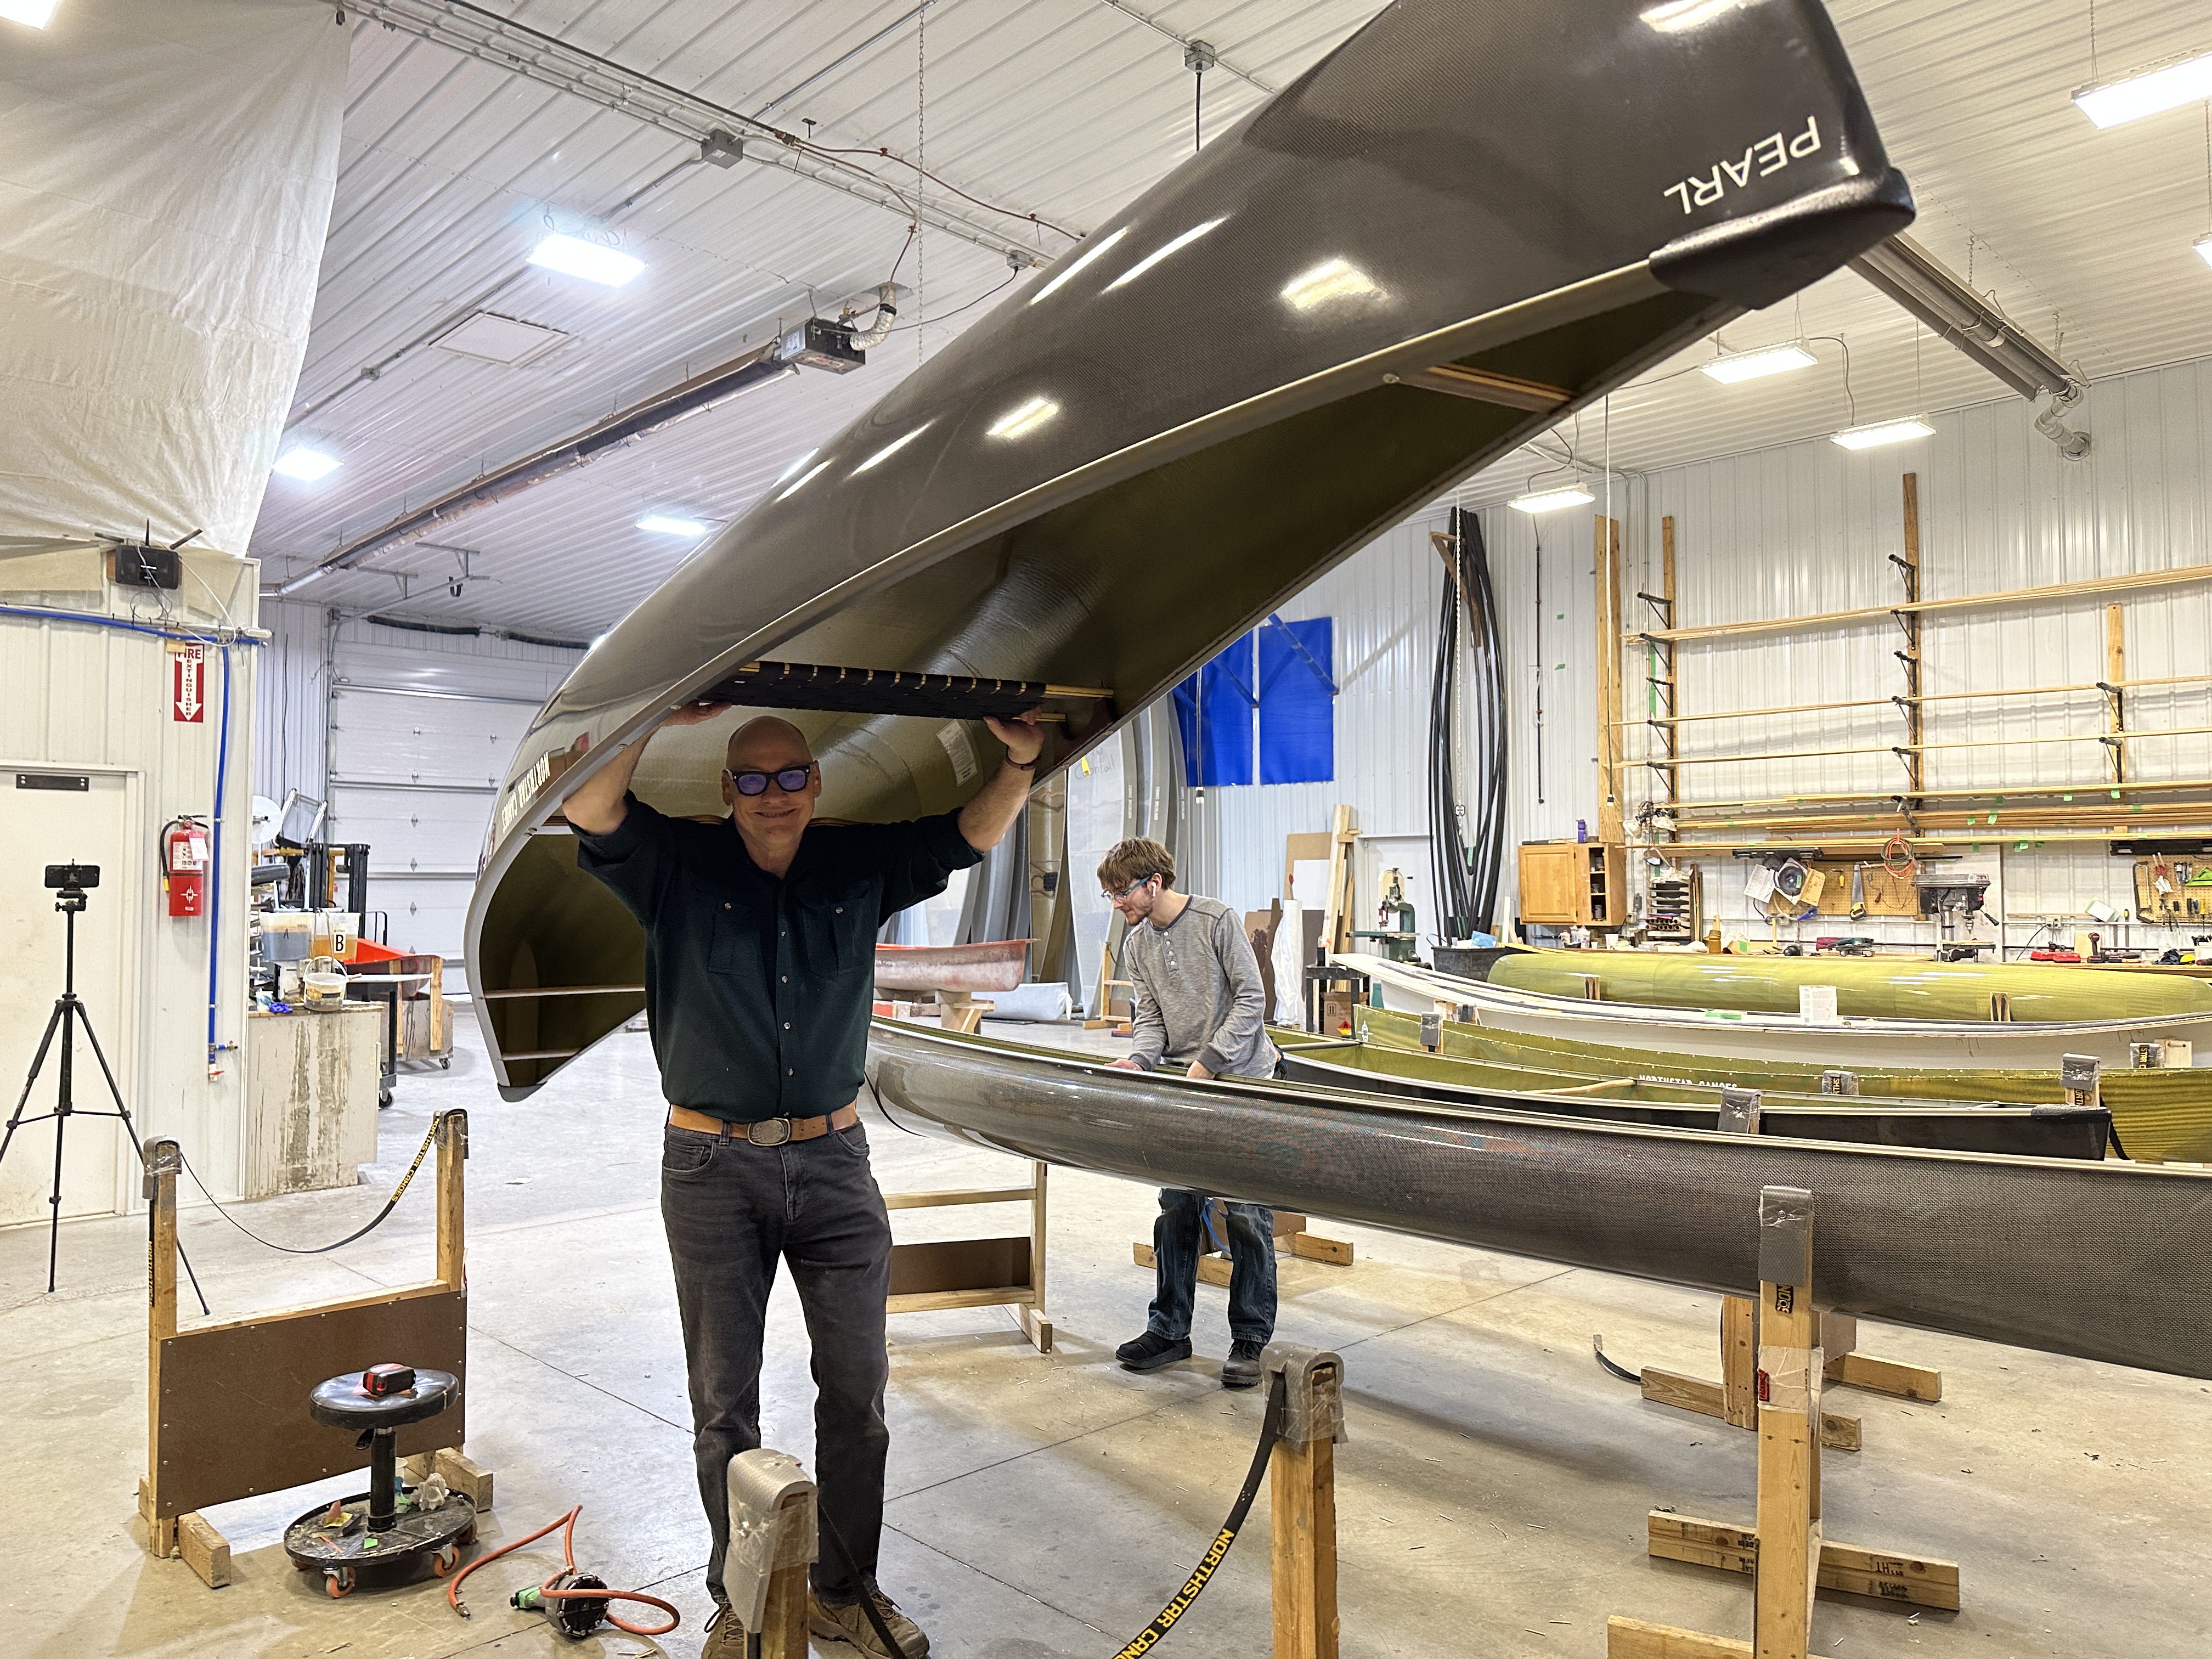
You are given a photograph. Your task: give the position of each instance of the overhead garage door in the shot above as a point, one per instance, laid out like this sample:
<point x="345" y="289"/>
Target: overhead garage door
<point x="419" y="742"/>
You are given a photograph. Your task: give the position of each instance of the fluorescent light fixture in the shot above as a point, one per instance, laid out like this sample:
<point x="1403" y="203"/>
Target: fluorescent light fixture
<point x="1331" y="279"/>
<point x="795" y="466"/>
<point x="1161" y="252"/>
<point x="805" y="478"/>
<point x="1736" y="366"/>
<point x="1887" y="432"/>
<point x="594" y="263"/>
<point x="1020" y="421"/>
<point x="2203" y="246"/>
<point x="661" y="525"/>
<point x="2148" y="92"/>
<point x="889" y="449"/>
<point x="1551" y="500"/>
<point x="1676" y="15"/>
<point x="304" y="464"/>
<point x="1068" y="271"/>
<point x="37" y="13"/>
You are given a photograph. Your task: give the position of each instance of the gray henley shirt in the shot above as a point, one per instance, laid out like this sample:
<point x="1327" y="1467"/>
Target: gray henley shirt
<point x="1198" y="995"/>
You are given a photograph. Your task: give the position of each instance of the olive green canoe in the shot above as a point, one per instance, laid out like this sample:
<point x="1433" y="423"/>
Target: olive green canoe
<point x="2158" y="1115"/>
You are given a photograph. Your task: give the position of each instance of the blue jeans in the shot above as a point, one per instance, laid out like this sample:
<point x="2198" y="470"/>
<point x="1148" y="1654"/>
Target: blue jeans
<point x="732" y="1209"/>
<point x="1175" y="1250"/>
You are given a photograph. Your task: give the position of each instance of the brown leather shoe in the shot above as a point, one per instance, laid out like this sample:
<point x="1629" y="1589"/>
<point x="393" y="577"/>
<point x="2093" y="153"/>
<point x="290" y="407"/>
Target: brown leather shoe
<point x="850" y="1623"/>
<point x="726" y="1638"/>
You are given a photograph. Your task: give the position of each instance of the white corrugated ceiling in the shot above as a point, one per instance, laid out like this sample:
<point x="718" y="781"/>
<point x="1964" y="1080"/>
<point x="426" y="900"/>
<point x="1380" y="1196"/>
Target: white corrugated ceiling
<point x="453" y="169"/>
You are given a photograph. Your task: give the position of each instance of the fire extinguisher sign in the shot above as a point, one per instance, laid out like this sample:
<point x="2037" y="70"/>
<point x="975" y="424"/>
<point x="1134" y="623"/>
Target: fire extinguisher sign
<point x="188" y="684"/>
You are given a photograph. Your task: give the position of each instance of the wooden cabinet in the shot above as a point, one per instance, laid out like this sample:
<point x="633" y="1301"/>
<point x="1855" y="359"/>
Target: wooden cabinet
<point x="1573" y="884"/>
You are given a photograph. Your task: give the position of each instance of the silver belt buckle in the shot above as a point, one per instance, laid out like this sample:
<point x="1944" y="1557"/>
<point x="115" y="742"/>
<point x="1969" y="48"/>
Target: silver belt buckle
<point x="778" y="1128"/>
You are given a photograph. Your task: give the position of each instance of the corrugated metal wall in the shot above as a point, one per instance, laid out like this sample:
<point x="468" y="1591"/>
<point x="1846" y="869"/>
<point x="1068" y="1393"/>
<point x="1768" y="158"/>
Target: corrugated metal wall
<point x="1790" y="531"/>
<point x="79" y="697"/>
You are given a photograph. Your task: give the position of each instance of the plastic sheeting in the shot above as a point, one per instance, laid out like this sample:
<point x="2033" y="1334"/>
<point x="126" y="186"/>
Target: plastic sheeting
<point x="166" y="174"/>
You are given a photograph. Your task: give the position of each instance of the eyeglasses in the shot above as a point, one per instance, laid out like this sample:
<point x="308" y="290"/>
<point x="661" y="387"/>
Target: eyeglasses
<point x="1115" y="898"/>
<point x="791" y="779"/>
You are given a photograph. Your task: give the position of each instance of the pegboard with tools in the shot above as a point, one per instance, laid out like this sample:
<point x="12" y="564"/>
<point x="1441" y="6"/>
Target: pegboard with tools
<point x="2172" y="890"/>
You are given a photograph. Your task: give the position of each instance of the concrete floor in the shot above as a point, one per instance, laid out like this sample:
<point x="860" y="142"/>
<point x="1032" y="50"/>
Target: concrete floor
<point x="1490" y="1500"/>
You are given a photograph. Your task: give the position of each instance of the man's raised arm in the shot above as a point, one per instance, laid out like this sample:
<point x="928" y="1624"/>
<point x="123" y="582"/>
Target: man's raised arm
<point x="597" y="806"/>
<point x="985" y="820"/>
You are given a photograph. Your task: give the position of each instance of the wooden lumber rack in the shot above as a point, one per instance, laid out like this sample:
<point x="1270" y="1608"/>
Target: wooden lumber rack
<point x="1785" y="1555"/>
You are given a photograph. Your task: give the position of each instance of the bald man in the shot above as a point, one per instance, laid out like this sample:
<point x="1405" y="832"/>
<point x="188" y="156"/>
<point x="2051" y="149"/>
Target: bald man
<point x="759" y="935"/>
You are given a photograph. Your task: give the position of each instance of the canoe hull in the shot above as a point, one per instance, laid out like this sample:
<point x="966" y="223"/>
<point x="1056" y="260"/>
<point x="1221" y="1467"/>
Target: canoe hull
<point x="998" y="965"/>
<point x="2108" y="1261"/>
<point x="1784" y="1038"/>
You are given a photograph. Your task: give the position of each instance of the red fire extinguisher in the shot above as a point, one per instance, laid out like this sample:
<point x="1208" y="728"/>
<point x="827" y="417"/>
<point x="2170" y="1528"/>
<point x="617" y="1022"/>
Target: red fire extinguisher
<point x="184" y="865"/>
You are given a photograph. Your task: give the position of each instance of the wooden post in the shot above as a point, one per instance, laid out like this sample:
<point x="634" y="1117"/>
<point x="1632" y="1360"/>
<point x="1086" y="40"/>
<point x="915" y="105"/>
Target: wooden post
<point x="1789" y="1415"/>
<point x="162" y="1161"/>
<point x="1660" y="666"/>
<point x="2115" y="676"/>
<point x="1336" y="915"/>
<point x="1302" y="1497"/>
<point x="1908" y="569"/>
<point x="453" y="1152"/>
<point x="1740" y="1361"/>
<point x="1611" y="821"/>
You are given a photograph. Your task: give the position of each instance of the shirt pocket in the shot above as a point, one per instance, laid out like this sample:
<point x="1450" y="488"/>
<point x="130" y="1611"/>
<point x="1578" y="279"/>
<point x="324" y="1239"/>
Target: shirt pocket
<point x="734" y="945"/>
<point x="839" y="930"/>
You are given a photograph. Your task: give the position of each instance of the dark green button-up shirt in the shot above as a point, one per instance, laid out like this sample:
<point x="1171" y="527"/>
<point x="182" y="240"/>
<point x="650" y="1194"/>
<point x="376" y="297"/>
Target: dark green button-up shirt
<point x="758" y="990"/>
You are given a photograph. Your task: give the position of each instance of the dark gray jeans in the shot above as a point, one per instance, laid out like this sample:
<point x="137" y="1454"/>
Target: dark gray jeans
<point x="731" y="1209"/>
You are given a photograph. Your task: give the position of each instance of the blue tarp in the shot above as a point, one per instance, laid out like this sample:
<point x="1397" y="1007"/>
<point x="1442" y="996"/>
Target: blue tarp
<point x="1297" y="721"/>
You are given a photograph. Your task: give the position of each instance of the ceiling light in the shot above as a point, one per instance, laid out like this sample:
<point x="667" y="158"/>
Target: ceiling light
<point x="1019" y="422"/>
<point x="304" y="463"/>
<point x="1887" y="432"/>
<point x="660" y="525"/>
<point x="1331" y="279"/>
<point x="890" y="449"/>
<point x="1550" y="500"/>
<point x="2148" y="92"/>
<point x="593" y="261"/>
<point x="1735" y="365"/>
<point x="805" y="478"/>
<point x="1161" y="252"/>
<point x="1676" y="15"/>
<point x="36" y="13"/>
<point x="1077" y="264"/>
<point x="2203" y="246"/>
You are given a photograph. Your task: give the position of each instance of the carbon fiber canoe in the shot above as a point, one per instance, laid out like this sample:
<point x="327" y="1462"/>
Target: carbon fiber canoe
<point x="1463" y="224"/>
<point x="2106" y="1260"/>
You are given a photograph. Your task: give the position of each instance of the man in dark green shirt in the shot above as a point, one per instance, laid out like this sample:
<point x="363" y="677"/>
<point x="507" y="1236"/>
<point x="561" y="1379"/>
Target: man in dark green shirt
<point x="760" y="951"/>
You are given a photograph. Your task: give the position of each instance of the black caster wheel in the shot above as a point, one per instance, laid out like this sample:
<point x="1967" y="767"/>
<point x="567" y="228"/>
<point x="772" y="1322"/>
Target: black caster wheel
<point x="445" y="1064"/>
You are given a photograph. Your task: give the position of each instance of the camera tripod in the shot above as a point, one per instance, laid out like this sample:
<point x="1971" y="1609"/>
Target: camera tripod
<point x="70" y="1013"/>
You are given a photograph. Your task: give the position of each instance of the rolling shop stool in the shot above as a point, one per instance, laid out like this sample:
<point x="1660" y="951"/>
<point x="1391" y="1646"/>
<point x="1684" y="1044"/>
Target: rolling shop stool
<point x="383" y="1531"/>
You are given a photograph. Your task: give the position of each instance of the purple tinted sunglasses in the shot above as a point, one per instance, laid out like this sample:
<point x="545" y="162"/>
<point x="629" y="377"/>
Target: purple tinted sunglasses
<point x="791" y="779"/>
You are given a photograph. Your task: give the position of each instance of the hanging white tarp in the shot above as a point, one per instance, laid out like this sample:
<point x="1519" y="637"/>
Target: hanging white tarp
<point x="166" y="173"/>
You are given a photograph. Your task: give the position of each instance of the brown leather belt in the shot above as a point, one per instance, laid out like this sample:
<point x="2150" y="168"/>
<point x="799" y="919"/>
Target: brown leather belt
<point x="768" y="1131"/>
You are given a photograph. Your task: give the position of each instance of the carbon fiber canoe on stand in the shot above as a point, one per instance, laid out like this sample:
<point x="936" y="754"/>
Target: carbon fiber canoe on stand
<point x="1463" y="224"/>
<point x="2109" y="1262"/>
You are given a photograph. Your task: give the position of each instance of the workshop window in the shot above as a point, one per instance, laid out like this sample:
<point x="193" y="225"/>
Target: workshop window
<point x="1265" y="708"/>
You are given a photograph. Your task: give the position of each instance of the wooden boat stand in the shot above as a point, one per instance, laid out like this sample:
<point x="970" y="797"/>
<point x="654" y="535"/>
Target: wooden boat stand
<point x="1215" y="1268"/>
<point x="772" y="1525"/>
<point x="1733" y="1398"/>
<point x="227" y="1402"/>
<point x="1004" y="1272"/>
<point x="1785" y="1555"/>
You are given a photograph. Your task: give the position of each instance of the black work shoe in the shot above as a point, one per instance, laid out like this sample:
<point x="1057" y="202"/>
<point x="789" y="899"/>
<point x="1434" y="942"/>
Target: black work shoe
<point x="1242" y="1369"/>
<point x="1152" y="1351"/>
